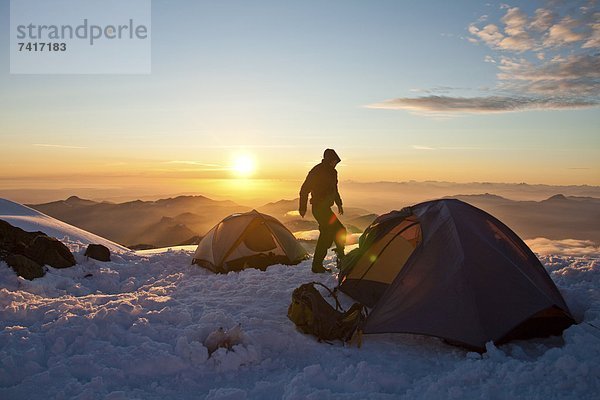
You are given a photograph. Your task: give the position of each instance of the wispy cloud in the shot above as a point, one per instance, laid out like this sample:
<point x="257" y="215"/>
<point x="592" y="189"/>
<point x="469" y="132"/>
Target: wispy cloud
<point x="59" y="146"/>
<point x="258" y="146"/>
<point x="444" y="148"/>
<point x="437" y="90"/>
<point x="479" y="105"/>
<point x="542" y="20"/>
<point x="546" y="61"/>
<point x="185" y="162"/>
<point x="574" y="76"/>
<point x="190" y="166"/>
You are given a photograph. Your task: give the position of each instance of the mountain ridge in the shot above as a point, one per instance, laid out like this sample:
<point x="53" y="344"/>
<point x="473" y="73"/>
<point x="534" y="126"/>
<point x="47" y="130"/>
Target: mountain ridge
<point x="175" y="220"/>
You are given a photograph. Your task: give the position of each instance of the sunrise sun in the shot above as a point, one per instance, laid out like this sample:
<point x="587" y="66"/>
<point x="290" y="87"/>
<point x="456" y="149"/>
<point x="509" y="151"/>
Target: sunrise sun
<point x="243" y="165"/>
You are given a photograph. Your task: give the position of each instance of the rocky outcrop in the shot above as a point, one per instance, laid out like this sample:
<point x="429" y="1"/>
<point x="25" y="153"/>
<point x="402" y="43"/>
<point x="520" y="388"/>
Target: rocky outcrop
<point x="27" y="252"/>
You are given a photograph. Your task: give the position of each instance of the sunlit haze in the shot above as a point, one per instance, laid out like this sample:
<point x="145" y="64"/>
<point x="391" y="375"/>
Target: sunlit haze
<point x="243" y="98"/>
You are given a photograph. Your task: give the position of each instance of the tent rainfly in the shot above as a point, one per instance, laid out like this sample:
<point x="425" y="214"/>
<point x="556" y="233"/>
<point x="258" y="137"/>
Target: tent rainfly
<point x="248" y="240"/>
<point x="447" y="269"/>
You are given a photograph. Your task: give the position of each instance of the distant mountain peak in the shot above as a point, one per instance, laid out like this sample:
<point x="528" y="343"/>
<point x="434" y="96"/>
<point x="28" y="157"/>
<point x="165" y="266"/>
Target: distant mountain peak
<point x="557" y="197"/>
<point x="282" y="202"/>
<point x="75" y="200"/>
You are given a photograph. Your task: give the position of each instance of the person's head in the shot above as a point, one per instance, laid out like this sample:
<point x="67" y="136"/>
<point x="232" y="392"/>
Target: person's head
<point x="331" y="157"/>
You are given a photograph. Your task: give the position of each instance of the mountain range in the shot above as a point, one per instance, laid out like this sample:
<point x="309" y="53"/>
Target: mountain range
<point x="174" y="221"/>
<point x="185" y="219"/>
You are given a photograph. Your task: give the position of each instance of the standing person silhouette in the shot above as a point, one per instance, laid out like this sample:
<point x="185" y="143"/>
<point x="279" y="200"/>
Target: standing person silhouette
<point x="321" y="182"/>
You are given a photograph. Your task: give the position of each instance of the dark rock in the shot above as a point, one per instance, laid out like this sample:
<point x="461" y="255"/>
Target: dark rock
<point x="10" y="236"/>
<point x="47" y="250"/>
<point x="13" y="240"/>
<point x="25" y="267"/>
<point x="98" y="252"/>
<point x="20" y="248"/>
<point x="27" y="252"/>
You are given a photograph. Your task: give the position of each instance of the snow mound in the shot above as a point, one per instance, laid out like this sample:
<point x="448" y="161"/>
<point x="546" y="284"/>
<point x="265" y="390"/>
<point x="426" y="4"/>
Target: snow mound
<point x="32" y="220"/>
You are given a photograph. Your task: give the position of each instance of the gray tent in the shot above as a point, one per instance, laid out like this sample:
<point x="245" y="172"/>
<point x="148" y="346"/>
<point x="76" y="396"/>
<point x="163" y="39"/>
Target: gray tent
<point x="445" y="268"/>
<point x="248" y="240"/>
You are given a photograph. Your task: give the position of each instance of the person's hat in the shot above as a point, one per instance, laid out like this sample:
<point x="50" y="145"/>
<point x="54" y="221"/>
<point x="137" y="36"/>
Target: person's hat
<point x="331" y="155"/>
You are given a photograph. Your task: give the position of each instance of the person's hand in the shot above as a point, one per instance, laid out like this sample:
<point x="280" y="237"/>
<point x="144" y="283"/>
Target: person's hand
<point x="340" y="210"/>
<point x="302" y="213"/>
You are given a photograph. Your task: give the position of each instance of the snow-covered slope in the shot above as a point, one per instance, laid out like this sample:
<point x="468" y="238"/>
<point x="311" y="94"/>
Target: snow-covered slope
<point x="31" y="220"/>
<point x="134" y="328"/>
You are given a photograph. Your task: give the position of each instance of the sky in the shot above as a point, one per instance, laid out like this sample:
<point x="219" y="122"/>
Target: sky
<point x="243" y="97"/>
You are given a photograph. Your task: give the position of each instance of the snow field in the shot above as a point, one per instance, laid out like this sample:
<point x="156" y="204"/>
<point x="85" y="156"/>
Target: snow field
<point x="134" y="328"/>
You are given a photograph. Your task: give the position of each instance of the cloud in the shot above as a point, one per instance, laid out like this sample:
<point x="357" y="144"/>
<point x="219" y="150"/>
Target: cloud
<point x="515" y="27"/>
<point x="567" y="247"/>
<point x="479" y="105"/>
<point x="195" y="166"/>
<point x="562" y="33"/>
<point x="542" y="20"/>
<point x="545" y="29"/>
<point x="573" y="74"/>
<point x="593" y="40"/>
<point x="58" y="146"/>
<point x="436" y="89"/>
<point x="548" y="60"/>
<point x="571" y="67"/>
<point x="518" y="43"/>
<point x="489" y="34"/>
<point x="192" y="163"/>
<point x="451" y="148"/>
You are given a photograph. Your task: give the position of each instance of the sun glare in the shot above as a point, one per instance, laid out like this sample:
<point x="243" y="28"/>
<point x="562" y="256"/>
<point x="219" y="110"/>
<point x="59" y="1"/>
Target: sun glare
<point x="243" y="165"/>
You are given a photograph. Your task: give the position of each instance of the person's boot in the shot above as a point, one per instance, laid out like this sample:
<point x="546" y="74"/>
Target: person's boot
<point x="319" y="269"/>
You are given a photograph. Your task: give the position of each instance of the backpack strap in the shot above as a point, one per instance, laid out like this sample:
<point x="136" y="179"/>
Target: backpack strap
<point x="338" y="306"/>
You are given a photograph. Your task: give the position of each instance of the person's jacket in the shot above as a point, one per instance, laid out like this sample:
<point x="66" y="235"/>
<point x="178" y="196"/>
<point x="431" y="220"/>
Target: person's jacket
<point x="322" y="183"/>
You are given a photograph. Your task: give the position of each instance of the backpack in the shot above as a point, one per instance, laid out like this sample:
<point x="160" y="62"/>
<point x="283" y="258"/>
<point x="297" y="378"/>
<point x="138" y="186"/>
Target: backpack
<point x="312" y="314"/>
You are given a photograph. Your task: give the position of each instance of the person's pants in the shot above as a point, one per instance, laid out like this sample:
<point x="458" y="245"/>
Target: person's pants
<point x="330" y="230"/>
